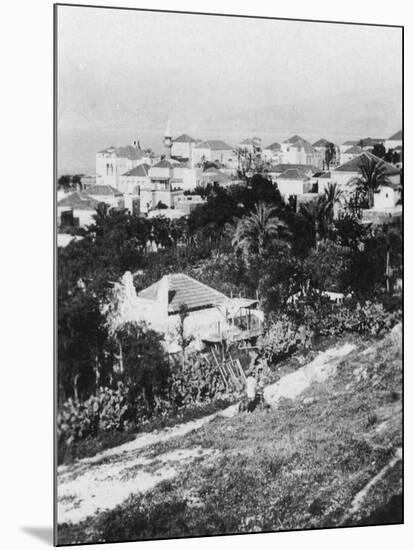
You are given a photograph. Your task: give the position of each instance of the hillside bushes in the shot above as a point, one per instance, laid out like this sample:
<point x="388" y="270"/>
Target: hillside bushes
<point x="314" y="315"/>
<point x="284" y="337"/>
<point x="192" y="388"/>
<point x="323" y="317"/>
<point x="105" y="411"/>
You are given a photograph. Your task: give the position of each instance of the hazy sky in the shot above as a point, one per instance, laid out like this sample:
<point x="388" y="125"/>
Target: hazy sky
<point x="121" y="74"/>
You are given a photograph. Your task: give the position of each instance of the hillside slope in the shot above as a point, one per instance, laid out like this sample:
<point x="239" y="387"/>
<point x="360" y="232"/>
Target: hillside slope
<point x="330" y="456"/>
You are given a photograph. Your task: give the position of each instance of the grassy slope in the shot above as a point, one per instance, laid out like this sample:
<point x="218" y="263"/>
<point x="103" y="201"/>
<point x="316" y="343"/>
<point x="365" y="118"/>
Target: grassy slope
<point x="297" y="467"/>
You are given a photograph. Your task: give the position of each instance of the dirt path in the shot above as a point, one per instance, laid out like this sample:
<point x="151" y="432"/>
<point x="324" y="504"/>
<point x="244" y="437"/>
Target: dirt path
<point x="293" y="384"/>
<point x="107" y="479"/>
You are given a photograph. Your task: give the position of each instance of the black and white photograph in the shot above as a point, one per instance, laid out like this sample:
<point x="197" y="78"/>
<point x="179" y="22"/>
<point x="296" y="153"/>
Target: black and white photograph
<point x="228" y="218"/>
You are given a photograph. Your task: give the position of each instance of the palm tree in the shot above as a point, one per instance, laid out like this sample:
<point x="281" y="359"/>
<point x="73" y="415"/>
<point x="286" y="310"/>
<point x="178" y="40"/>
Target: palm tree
<point x="372" y="176"/>
<point x="315" y="214"/>
<point x="332" y="197"/>
<point x="259" y="229"/>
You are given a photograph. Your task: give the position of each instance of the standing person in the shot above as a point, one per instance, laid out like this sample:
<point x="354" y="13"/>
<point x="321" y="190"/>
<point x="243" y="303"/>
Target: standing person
<point x="251" y="390"/>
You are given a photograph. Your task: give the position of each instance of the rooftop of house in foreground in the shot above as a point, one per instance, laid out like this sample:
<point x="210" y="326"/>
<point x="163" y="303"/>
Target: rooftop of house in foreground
<point x="183" y="289"/>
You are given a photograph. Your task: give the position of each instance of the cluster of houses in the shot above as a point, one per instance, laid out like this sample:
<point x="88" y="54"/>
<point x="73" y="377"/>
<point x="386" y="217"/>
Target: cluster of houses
<point x="163" y="185"/>
<point x="152" y="185"/>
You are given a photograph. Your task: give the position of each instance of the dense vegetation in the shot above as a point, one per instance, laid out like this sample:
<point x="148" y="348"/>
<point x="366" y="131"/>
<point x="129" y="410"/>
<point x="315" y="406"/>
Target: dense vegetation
<point x="297" y="467"/>
<point x="246" y="240"/>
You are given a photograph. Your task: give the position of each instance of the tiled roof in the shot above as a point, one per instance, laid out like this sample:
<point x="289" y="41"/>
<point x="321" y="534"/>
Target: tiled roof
<point x="129" y="151"/>
<point x="350" y="142"/>
<point x="184" y="138"/>
<point x="306" y="168"/>
<point x="139" y="171"/>
<point x="274" y="146"/>
<point x="103" y="190"/>
<point x="294" y="139"/>
<point x="397" y="136"/>
<point x="355" y="150"/>
<point x="303" y="145"/>
<point x="354" y="164"/>
<point x="214" y="145"/>
<point x="79" y="201"/>
<point x="293" y="174"/>
<point x="322" y="175"/>
<point x="370" y="142"/>
<point x="183" y="289"/>
<point x="215" y="174"/>
<point x="321" y="143"/>
<point x="164" y="163"/>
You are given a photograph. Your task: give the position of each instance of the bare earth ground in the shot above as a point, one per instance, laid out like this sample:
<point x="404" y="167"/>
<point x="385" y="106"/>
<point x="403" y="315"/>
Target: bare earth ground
<point x="331" y="442"/>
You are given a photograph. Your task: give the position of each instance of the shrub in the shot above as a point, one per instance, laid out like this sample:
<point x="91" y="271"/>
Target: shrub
<point x="105" y="411"/>
<point x="284" y="337"/>
<point x="325" y="318"/>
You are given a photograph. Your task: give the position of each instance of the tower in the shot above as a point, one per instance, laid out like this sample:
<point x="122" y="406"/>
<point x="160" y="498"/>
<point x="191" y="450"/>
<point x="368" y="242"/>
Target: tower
<point x="168" y="140"/>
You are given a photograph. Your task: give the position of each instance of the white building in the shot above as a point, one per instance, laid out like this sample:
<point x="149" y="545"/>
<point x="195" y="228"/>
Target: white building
<point x="107" y="194"/>
<point x="294" y="182"/>
<point x="275" y="170"/>
<point x="215" y="175"/>
<point x="113" y="162"/>
<point x="347" y="145"/>
<point x="212" y="151"/>
<point x="131" y="182"/>
<point x="187" y="203"/>
<point x="212" y="316"/>
<point x="182" y="146"/>
<point x="161" y="187"/>
<point x="387" y="196"/>
<point x="387" y="205"/>
<point x="79" y="207"/>
<point x="351" y="153"/>
<point x="321" y="147"/>
<point x="272" y="153"/>
<point x="345" y="173"/>
<point x="297" y="150"/>
<point x="253" y="146"/>
<point x="368" y="143"/>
